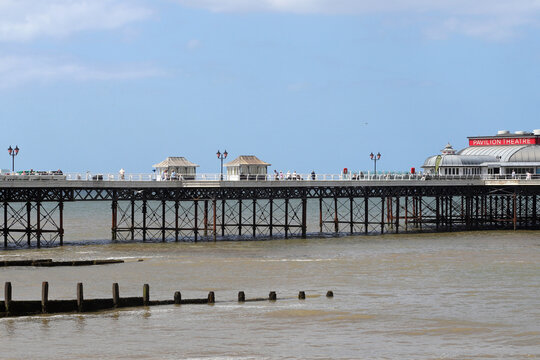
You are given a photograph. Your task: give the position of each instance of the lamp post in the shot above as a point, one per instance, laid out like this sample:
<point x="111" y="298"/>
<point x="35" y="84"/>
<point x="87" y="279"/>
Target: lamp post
<point x="221" y="156"/>
<point x="13" y="152"/>
<point x="375" y="158"/>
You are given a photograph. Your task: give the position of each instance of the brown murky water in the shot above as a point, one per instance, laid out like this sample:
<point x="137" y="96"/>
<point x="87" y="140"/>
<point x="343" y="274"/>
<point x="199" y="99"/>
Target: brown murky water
<point x="433" y="296"/>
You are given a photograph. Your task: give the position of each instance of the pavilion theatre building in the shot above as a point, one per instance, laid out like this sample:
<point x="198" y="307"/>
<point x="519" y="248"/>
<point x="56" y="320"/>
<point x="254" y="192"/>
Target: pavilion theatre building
<point x="503" y="154"/>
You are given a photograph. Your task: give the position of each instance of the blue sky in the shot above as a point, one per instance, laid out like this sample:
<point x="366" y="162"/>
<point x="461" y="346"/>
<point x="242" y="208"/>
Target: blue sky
<point x="303" y="84"/>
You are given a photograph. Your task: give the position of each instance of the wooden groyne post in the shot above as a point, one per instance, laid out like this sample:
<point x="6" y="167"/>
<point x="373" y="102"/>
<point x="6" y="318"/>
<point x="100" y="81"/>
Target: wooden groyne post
<point x="44" y="296"/>
<point x="34" y="307"/>
<point x="80" y="297"/>
<point x="116" y="295"/>
<point x="7" y="297"/>
<point x="146" y="294"/>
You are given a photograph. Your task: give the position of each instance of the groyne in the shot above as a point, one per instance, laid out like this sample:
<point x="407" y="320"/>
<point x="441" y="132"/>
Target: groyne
<point x="15" y="308"/>
<point x="52" y="263"/>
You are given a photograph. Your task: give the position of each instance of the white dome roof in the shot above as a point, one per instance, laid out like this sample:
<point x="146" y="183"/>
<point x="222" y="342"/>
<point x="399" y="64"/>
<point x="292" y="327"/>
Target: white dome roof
<point x="458" y="160"/>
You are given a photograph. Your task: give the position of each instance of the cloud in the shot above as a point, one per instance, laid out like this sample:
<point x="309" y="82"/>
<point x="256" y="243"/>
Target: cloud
<point x="16" y="71"/>
<point x="494" y="19"/>
<point x="24" y="20"/>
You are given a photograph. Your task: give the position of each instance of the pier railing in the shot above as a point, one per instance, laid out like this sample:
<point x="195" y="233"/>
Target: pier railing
<point x="88" y="176"/>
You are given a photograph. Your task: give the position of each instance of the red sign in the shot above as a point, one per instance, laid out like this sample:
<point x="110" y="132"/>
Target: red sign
<point x="502" y="141"/>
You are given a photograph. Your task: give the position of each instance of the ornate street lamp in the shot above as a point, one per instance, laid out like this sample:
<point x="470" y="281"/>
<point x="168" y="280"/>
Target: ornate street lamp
<point x="375" y="158"/>
<point x="221" y="156"/>
<point x="13" y="152"/>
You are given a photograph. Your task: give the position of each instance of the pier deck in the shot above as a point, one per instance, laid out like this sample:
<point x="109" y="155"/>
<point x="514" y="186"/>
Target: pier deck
<point x="33" y="210"/>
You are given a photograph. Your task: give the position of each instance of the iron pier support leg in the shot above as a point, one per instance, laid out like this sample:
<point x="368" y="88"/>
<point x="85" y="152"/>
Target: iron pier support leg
<point x="451" y="211"/>
<point x="447" y="213"/>
<point x="38" y="223"/>
<point x="132" y="227"/>
<point x="205" y="219"/>
<point x="5" y="224"/>
<point x="163" y="215"/>
<point x="271" y="217"/>
<point x="222" y="218"/>
<point x="240" y="217"/>
<point x="382" y="214"/>
<point x="176" y="230"/>
<point x="336" y="218"/>
<point x="397" y="214"/>
<point x="366" y="214"/>
<point x="514" y="208"/>
<point x="466" y="211"/>
<point x="437" y="212"/>
<point x="214" y="229"/>
<point x="389" y="212"/>
<point x="196" y="220"/>
<point x="320" y="215"/>
<point x="520" y="212"/>
<point x="526" y="219"/>
<point x="351" y="218"/>
<point x="534" y="210"/>
<point x="61" y="229"/>
<point x="496" y="212"/>
<point x="114" y="208"/>
<point x="144" y="210"/>
<point x="420" y="212"/>
<point x="28" y="222"/>
<point x="304" y="216"/>
<point x="254" y="219"/>
<point x="406" y="213"/>
<point x="286" y="218"/>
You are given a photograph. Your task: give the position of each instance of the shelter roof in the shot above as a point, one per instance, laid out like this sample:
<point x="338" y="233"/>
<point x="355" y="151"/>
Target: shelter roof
<point x="175" y="161"/>
<point x="247" y="160"/>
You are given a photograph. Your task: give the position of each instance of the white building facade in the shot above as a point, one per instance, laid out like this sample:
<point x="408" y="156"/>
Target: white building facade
<point x="504" y="154"/>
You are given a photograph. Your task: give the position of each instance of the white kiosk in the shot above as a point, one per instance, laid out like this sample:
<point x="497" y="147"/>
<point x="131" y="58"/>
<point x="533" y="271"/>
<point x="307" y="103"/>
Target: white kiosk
<point x="247" y="167"/>
<point x="176" y="168"/>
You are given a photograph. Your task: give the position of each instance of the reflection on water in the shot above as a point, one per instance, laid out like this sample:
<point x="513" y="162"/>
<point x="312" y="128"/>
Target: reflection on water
<point x="460" y="295"/>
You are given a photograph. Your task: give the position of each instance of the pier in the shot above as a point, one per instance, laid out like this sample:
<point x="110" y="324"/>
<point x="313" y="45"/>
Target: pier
<point x="32" y="210"/>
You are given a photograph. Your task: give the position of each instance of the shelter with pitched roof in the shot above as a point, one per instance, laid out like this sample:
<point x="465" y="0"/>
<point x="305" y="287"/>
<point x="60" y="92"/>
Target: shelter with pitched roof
<point x="176" y="168"/>
<point x="247" y="167"/>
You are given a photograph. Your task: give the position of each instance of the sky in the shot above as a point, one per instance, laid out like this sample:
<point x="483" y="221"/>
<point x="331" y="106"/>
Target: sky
<point x="99" y="85"/>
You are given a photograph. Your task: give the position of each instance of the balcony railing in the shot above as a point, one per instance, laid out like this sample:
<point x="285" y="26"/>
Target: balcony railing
<point x="88" y="176"/>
